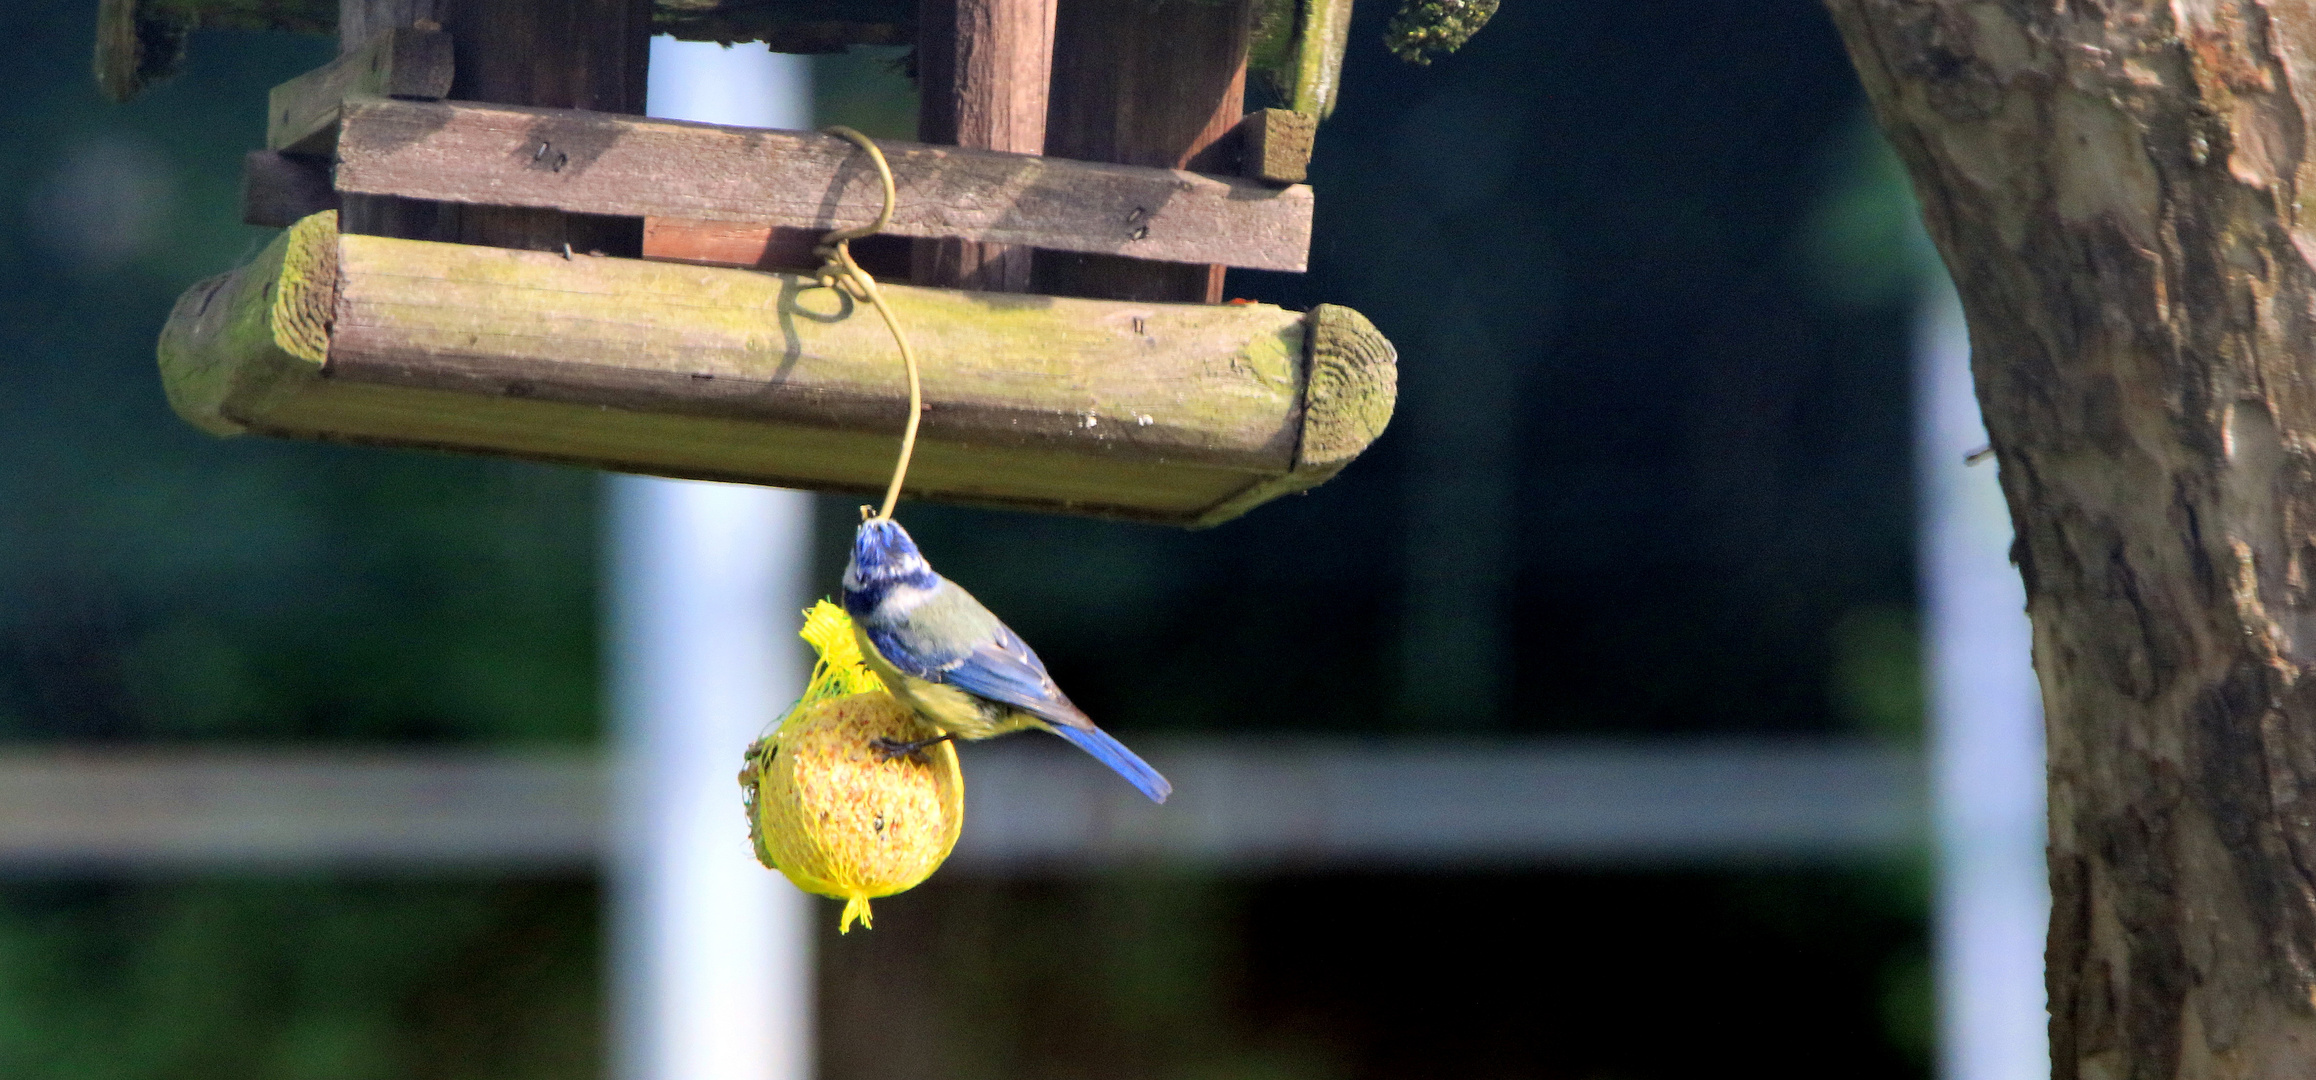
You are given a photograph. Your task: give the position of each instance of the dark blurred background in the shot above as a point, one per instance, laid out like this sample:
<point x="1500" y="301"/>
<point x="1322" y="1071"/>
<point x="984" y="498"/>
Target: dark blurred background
<point x="1651" y="277"/>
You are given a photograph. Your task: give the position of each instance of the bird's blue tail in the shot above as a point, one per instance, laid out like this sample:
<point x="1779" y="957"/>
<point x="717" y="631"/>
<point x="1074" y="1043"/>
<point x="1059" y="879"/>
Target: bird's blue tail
<point x="1114" y="754"/>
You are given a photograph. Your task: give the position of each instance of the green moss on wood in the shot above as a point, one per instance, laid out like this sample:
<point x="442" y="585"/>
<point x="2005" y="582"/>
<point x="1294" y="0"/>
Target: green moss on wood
<point x="1354" y="384"/>
<point x="305" y="294"/>
<point x="235" y="338"/>
<point x="1271" y="37"/>
<point x="1175" y="413"/>
<point x="1320" y="38"/>
<point x="1351" y="386"/>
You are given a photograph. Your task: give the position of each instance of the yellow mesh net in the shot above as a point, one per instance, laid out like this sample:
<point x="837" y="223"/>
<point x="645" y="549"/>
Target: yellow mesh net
<point x="829" y="808"/>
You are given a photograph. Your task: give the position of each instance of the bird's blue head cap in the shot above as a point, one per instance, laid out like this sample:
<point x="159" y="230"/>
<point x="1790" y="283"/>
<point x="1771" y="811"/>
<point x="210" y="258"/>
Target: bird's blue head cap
<point x="883" y="557"/>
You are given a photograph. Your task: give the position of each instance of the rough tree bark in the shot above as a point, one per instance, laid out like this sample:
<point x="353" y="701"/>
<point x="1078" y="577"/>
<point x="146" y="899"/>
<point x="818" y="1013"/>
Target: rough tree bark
<point x="2117" y="188"/>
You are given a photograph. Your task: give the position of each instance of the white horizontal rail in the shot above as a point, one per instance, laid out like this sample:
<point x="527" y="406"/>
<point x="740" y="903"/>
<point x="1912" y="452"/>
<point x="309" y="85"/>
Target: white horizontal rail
<point x="201" y="808"/>
<point x="1031" y="805"/>
<point x="1418" y="804"/>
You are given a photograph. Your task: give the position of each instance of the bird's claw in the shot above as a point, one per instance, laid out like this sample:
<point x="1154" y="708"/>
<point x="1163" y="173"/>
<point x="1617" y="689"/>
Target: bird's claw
<point x="890" y="749"/>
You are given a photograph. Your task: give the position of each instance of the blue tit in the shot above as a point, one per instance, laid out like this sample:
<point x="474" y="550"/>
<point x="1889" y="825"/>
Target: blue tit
<point x="947" y="657"/>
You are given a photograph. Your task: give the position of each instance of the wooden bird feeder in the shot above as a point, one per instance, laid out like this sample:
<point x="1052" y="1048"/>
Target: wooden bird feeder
<point x="535" y="271"/>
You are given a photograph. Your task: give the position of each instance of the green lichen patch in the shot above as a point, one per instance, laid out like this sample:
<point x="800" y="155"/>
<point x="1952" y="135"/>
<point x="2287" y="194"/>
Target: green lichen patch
<point x="1427" y="28"/>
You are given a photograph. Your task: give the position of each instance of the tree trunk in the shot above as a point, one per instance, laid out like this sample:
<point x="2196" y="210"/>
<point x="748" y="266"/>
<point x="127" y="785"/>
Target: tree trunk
<point x="2115" y="187"/>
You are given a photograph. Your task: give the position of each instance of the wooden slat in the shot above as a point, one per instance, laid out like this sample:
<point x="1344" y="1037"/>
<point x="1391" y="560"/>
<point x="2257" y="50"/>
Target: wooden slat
<point x="302" y="117"/>
<point x="1179" y="413"/>
<point x="731" y="243"/>
<point x="1275" y="143"/>
<point x="603" y="164"/>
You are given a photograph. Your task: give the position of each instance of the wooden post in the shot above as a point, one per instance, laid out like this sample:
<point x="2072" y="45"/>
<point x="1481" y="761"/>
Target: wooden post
<point x="1145" y="83"/>
<point x="984" y="66"/>
<point x="573" y="54"/>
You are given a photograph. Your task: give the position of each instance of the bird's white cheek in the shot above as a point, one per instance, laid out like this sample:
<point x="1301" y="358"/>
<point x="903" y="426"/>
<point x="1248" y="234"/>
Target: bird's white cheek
<point x="901" y="600"/>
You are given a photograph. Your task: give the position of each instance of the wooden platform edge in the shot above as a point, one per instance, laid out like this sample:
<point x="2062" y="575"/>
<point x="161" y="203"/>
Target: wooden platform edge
<point x="1350" y="388"/>
<point x="233" y="338"/>
<point x="248" y="351"/>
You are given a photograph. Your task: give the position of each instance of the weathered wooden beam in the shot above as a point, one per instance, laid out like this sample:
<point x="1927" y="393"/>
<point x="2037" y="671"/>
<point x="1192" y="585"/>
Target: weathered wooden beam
<point x="1321" y="34"/>
<point x="605" y="164"/>
<point x="1157" y="83"/>
<point x="1276" y="145"/>
<point x="278" y="189"/>
<point x="405" y="62"/>
<point x="1180" y="413"/>
<point x="982" y="67"/>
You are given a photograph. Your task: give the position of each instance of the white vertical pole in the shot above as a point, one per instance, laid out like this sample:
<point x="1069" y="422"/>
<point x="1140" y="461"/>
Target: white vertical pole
<point x="712" y="966"/>
<point x="1986" y="734"/>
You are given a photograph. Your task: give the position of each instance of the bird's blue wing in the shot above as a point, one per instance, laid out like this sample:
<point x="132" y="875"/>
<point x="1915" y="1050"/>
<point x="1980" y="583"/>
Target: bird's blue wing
<point x="953" y="640"/>
<point x="950" y="638"/>
<point x="913" y="654"/>
<point x="1005" y="670"/>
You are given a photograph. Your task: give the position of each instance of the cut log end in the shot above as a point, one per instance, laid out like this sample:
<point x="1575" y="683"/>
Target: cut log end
<point x="1354" y="384"/>
<point x="305" y="298"/>
<point x="1348" y="396"/>
<point x="234" y="336"/>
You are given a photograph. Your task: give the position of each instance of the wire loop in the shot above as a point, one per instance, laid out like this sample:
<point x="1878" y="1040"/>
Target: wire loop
<point x="839" y="271"/>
